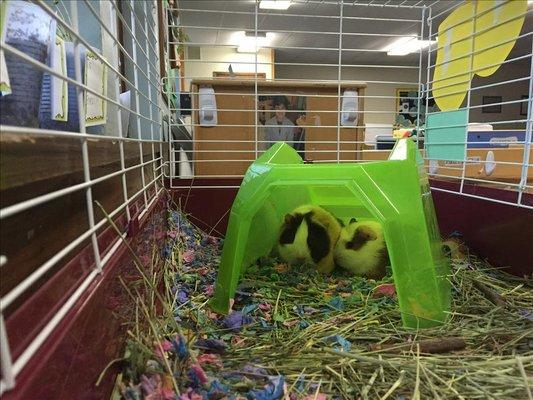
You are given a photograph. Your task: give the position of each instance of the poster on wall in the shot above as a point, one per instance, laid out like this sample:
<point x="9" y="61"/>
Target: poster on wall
<point x="524" y="104"/>
<point x="282" y="119"/>
<point x="95" y="79"/>
<point x="58" y="86"/>
<point x="125" y="100"/>
<point x="491" y="105"/>
<point x="407" y="107"/>
<point x="5" y="85"/>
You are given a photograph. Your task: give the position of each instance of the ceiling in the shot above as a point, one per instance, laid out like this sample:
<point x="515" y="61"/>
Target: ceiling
<point x="308" y="31"/>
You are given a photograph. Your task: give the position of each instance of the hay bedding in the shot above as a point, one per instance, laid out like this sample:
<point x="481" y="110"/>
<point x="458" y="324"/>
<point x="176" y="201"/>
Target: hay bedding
<point x="293" y="334"/>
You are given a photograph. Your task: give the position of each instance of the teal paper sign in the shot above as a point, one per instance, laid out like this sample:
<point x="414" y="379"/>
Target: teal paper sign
<point x="446" y="134"/>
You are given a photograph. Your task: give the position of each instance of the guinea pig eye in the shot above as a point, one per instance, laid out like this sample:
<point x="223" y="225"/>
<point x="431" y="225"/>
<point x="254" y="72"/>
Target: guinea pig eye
<point x="349" y="245"/>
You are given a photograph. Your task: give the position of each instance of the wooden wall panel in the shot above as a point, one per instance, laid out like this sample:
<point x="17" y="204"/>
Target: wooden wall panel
<point x="509" y="173"/>
<point x="21" y="165"/>
<point x="226" y="146"/>
<point x="207" y="154"/>
<point x="314" y="150"/>
<point x="32" y="165"/>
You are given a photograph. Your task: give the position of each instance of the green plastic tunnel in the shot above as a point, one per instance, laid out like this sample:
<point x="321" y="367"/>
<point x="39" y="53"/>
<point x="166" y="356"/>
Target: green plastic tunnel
<point x="394" y="192"/>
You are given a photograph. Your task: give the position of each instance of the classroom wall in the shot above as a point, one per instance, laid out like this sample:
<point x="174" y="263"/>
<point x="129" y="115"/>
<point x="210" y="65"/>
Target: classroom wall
<point x="221" y="58"/>
<point x="377" y="110"/>
<point x="509" y="92"/>
<point x="409" y="78"/>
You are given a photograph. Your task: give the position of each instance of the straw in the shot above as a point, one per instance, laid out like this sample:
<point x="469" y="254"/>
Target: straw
<point x="296" y="333"/>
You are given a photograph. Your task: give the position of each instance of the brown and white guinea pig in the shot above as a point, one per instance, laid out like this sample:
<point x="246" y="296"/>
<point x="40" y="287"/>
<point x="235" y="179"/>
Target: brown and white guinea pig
<point x="361" y="249"/>
<point x="308" y="236"/>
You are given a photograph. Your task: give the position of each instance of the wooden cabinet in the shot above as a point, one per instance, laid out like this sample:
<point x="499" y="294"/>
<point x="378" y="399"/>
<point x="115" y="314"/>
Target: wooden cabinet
<point x="346" y="140"/>
<point x="216" y="147"/>
<point x="228" y="148"/>
<point x="508" y="165"/>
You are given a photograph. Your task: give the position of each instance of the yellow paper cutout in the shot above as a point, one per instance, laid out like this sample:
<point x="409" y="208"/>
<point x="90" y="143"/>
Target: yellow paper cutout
<point x="451" y="79"/>
<point x="486" y="37"/>
<point x="455" y="65"/>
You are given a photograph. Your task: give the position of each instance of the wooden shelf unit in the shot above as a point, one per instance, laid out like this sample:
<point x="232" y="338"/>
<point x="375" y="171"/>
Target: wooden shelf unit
<point x="221" y="159"/>
<point x="452" y="170"/>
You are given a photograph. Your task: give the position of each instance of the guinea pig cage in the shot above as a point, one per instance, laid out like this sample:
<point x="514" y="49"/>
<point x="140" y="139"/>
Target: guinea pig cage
<point x="136" y="245"/>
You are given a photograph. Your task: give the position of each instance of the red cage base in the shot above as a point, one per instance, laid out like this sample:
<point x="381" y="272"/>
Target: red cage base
<point x="92" y="334"/>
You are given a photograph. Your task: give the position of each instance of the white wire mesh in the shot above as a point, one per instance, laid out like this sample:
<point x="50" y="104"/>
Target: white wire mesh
<point x="497" y="156"/>
<point x="341" y="45"/>
<point x="309" y="56"/>
<point x="113" y="137"/>
<point x="328" y="36"/>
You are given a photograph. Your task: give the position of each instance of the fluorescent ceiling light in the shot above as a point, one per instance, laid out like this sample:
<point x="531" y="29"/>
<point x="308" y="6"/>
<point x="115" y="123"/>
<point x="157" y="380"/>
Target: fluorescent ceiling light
<point x="260" y="34"/>
<point x="274" y="5"/>
<point x="407" y="45"/>
<point x="249" y="43"/>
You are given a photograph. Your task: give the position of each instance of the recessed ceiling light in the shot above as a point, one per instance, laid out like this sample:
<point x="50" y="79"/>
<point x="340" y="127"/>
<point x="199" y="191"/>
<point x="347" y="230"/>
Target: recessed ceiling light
<point x="407" y="45"/>
<point x="275" y="4"/>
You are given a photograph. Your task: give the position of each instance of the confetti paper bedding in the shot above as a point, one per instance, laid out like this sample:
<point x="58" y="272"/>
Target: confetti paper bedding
<point x="293" y="334"/>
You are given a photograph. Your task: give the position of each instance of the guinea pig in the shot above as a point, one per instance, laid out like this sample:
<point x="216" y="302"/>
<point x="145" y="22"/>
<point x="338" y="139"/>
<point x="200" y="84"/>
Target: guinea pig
<point x="308" y="236"/>
<point x="361" y="249"/>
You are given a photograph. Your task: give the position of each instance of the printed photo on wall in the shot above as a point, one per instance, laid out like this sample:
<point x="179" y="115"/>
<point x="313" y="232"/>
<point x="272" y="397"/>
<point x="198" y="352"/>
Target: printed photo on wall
<point x="523" y="104"/>
<point x="491" y="109"/>
<point x="282" y="119"/>
<point x="407" y="104"/>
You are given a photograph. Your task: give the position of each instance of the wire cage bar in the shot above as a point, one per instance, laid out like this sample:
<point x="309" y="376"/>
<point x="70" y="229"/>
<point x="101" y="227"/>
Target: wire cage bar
<point x="114" y="128"/>
<point x="287" y="56"/>
<point x="163" y="93"/>
<point x="507" y="138"/>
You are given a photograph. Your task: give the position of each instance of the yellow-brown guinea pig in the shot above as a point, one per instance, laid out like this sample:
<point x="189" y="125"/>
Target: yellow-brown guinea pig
<point x="308" y="236"/>
<point x="361" y="249"/>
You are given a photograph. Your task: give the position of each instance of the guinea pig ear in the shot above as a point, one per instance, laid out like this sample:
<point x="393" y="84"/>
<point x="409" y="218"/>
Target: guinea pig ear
<point x="365" y="234"/>
<point x="352" y="220"/>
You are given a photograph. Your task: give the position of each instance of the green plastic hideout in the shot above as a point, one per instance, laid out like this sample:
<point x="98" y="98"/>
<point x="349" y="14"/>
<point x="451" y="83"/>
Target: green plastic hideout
<point x="394" y="192"/>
